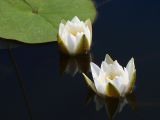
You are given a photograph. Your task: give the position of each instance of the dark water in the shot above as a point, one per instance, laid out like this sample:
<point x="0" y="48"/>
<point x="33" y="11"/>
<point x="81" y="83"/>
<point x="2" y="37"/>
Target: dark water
<point x="37" y="84"/>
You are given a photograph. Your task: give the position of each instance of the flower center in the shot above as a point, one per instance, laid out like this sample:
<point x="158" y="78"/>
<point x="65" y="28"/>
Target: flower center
<point x="74" y="30"/>
<point x="111" y="76"/>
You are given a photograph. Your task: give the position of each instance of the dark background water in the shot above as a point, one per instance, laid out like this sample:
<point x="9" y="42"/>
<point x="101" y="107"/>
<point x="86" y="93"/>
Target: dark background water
<point x="36" y="83"/>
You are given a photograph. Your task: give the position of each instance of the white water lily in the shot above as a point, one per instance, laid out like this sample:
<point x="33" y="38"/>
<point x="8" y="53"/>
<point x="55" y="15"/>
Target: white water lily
<point x="75" y="36"/>
<point x="112" y="79"/>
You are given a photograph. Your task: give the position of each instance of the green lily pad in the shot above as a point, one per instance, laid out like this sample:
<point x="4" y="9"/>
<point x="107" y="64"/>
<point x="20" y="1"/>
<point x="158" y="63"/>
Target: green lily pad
<point x="37" y="21"/>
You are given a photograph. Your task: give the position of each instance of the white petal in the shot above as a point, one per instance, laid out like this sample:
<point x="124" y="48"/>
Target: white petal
<point x="64" y="36"/>
<point x="104" y="71"/>
<point x="126" y="77"/>
<point x="131" y="68"/>
<point x="71" y="43"/>
<point x="118" y="84"/>
<point x="88" y="35"/>
<point x="75" y="20"/>
<point x="78" y="38"/>
<point x="100" y="85"/>
<point x="61" y="28"/>
<point x="104" y="66"/>
<point x="68" y="24"/>
<point x="95" y="70"/>
<point x="89" y="24"/>
<point x="117" y="66"/>
<point x="108" y="59"/>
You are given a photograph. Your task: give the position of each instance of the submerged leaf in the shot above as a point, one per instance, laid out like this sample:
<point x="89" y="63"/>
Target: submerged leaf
<point x="37" y="21"/>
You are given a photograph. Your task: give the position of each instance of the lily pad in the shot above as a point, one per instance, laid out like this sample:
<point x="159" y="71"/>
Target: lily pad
<point x="37" y="21"/>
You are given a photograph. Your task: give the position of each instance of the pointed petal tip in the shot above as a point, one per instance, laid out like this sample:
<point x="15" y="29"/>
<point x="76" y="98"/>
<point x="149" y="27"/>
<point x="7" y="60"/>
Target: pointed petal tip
<point x="92" y="63"/>
<point x="88" y="20"/>
<point x="88" y="23"/>
<point x="132" y="59"/>
<point x="107" y="55"/>
<point x="75" y="19"/>
<point x="94" y="66"/>
<point x="63" y="21"/>
<point x="89" y="83"/>
<point x="84" y="74"/>
<point x="132" y="74"/>
<point x="108" y="59"/>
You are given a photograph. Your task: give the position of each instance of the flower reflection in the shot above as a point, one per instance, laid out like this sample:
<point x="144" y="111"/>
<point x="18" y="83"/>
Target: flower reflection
<point x="74" y="64"/>
<point x="113" y="106"/>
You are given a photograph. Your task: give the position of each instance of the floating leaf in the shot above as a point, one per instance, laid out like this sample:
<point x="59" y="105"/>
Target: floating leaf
<point x="37" y="21"/>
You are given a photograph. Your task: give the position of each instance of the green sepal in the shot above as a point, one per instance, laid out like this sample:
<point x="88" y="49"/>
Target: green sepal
<point x="132" y="83"/>
<point x="83" y="46"/>
<point x="89" y="24"/>
<point x="89" y="83"/>
<point x="111" y="90"/>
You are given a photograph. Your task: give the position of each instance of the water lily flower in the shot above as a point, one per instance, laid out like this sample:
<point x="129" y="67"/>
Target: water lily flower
<point x="75" y="36"/>
<point x="112" y="79"/>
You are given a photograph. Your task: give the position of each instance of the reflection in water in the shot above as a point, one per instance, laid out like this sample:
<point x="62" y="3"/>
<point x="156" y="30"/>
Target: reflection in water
<point x="73" y="64"/>
<point x="113" y="106"/>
